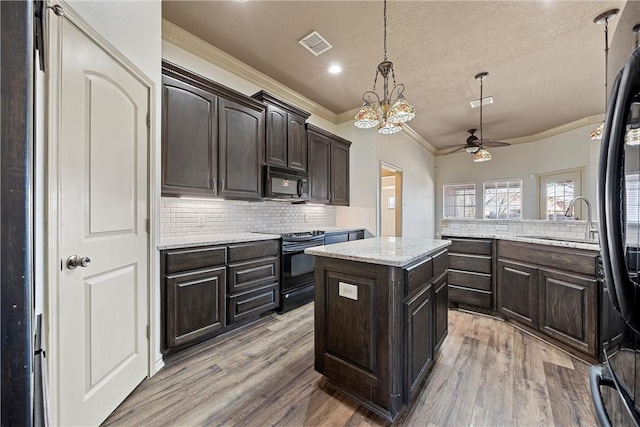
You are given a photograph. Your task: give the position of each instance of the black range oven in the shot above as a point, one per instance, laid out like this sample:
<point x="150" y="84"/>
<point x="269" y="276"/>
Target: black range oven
<point x="297" y="273"/>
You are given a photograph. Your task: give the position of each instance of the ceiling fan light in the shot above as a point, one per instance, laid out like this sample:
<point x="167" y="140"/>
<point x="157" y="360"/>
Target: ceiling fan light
<point x="401" y="111"/>
<point x="471" y="150"/>
<point x="482" y="155"/>
<point x="597" y="132"/>
<point x="367" y="117"/>
<point x="388" y="128"/>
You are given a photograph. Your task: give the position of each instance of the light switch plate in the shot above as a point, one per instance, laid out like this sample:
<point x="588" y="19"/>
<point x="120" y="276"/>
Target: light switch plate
<point x="348" y="290"/>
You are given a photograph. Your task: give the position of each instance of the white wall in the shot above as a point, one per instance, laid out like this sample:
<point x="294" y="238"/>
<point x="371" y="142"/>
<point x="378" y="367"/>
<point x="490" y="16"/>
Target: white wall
<point x="368" y="149"/>
<point x="569" y="150"/>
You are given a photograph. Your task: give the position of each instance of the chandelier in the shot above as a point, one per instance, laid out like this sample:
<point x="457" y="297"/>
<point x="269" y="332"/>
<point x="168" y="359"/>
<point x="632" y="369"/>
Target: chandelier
<point x="388" y="116"/>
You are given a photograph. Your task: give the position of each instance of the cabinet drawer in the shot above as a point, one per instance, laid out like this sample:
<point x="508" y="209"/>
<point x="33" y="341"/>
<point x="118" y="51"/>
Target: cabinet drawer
<point x="440" y="263"/>
<point x="476" y="263"/>
<point x="193" y="259"/>
<point x="467" y="279"/>
<point x="249" y="275"/>
<point x="252" y="250"/>
<point x="572" y="260"/>
<point x="418" y="276"/>
<point x="253" y="303"/>
<point x="469" y="296"/>
<point x="470" y="246"/>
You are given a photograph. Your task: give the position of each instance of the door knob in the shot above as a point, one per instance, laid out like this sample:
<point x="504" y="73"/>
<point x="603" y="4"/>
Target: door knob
<point x="75" y="261"/>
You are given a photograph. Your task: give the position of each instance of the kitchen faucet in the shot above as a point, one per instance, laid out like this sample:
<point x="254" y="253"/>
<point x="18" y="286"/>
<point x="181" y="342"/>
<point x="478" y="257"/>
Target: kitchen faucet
<point x="590" y="231"/>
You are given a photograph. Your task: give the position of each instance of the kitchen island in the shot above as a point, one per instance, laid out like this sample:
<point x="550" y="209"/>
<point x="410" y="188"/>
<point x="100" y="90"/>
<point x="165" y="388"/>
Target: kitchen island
<point x="380" y="315"/>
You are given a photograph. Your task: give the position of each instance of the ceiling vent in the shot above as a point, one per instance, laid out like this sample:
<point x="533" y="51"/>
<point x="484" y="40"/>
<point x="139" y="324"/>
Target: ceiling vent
<point x="315" y="43"/>
<point x="485" y="101"/>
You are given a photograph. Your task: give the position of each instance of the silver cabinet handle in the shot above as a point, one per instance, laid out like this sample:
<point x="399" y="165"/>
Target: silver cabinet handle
<point x="215" y="188"/>
<point x="75" y="261"/>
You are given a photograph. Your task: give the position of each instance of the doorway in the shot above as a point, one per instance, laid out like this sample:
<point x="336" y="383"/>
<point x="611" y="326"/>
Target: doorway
<point x="390" y="205"/>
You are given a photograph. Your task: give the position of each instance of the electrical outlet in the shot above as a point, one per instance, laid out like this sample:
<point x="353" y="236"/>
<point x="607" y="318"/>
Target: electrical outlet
<point x="366" y="217"/>
<point x="348" y="290"/>
<point x="200" y="220"/>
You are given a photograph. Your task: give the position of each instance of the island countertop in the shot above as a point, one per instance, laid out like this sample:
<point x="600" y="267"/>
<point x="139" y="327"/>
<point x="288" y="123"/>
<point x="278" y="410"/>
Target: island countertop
<point x="392" y="251"/>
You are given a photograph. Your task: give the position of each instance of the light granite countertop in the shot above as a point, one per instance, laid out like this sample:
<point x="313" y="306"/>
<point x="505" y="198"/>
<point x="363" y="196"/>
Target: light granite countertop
<point x="541" y="240"/>
<point x="213" y="239"/>
<point x="393" y="251"/>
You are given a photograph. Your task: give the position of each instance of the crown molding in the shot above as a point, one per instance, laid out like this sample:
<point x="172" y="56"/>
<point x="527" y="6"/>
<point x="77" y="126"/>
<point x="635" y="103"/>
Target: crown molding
<point x="415" y="137"/>
<point x="576" y="124"/>
<point x="184" y="40"/>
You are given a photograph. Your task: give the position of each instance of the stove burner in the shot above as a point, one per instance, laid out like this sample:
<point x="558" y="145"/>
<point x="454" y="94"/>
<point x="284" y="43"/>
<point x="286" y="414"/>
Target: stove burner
<point x="304" y="234"/>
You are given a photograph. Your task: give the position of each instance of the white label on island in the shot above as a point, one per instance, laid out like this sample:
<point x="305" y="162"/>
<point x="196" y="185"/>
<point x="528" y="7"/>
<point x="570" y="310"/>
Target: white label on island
<point x="348" y="290"/>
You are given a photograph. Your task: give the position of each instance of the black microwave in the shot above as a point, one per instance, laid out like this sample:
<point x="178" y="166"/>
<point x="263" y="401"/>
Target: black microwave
<point x="285" y="184"/>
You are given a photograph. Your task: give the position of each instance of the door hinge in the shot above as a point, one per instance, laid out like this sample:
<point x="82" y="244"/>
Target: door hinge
<point x="148" y="331"/>
<point x="148" y="225"/>
<point x="148" y="120"/>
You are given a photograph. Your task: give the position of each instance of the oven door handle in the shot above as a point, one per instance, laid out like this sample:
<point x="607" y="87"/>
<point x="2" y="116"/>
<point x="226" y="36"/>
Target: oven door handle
<point x="600" y="376"/>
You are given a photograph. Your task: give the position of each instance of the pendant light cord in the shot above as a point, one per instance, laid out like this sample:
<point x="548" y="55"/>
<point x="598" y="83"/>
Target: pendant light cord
<point x="385" y="30"/>
<point x="481" y="81"/>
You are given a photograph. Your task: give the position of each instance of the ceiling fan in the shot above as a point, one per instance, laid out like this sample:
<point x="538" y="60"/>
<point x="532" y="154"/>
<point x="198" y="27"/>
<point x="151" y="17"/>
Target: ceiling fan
<point x="473" y="144"/>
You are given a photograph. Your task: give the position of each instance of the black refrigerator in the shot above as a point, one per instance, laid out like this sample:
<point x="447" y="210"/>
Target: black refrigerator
<point x="615" y="384"/>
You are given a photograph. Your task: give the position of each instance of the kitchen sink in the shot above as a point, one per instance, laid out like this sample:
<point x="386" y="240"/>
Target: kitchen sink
<point x="564" y="239"/>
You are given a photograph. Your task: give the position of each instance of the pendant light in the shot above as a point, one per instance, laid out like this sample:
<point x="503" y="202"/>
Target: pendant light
<point x="604" y="18"/>
<point x="482" y="155"/>
<point x="381" y="112"/>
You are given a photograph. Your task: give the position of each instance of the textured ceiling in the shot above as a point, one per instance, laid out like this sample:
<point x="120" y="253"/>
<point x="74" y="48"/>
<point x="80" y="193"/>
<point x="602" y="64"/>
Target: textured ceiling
<point x="545" y="58"/>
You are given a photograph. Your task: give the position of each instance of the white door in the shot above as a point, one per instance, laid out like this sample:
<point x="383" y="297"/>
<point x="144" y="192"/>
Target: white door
<point x="102" y="307"/>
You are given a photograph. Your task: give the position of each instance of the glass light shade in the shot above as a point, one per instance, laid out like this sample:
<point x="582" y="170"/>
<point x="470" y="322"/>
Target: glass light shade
<point x="482" y="155"/>
<point x="367" y="117"/>
<point x="388" y="128"/>
<point x="597" y="132"/>
<point x="401" y="111"/>
<point x="632" y="137"/>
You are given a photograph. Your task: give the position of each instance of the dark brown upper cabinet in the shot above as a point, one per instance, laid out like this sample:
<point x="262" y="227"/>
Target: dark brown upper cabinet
<point x="241" y="141"/>
<point x="212" y="138"/>
<point x="286" y="135"/>
<point x="189" y="139"/>
<point x="328" y="167"/>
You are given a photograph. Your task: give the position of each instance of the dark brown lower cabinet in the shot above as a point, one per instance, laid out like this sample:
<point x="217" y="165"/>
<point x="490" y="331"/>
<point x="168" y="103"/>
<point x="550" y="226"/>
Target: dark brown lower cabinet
<point x="518" y="292"/>
<point x="195" y="307"/>
<point x="568" y="305"/>
<point x="375" y="328"/>
<point x="556" y="292"/>
<point x="441" y="309"/>
<point x="209" y="290"/>
<point x="419" y="341"/>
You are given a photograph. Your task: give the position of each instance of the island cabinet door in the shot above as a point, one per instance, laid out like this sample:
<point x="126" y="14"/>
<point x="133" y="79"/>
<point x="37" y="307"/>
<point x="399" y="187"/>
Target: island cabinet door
<point x="518" y="292"/>
<point x="419" y="341"/>
<point x="195" y="306"/>
<point x="440" y="310"/>
<point x="568" y="305"/>
<point x="357" y="335"/>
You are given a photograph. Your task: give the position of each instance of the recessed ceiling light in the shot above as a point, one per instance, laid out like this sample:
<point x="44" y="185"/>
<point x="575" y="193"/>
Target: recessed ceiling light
<point x="335" y="68"/>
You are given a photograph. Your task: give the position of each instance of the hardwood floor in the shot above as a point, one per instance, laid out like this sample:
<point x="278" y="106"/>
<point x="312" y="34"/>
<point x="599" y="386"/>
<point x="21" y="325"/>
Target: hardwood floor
<point x="486" y="373"/>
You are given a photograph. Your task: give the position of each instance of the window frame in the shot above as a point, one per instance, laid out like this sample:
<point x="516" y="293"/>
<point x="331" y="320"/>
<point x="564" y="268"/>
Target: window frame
<point x="464" y="206"/>
<point x="507" y="181"/>
<point x="563" y="175"/>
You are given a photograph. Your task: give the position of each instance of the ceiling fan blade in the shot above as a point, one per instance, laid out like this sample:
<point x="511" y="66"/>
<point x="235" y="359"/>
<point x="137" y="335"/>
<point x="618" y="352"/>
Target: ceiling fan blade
<point x="496" y="144"/>
<point x="455" y="150"/>
<point x="446" y="147"/>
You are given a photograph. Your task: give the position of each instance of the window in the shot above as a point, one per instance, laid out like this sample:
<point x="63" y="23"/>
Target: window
<point x="459" y="200"/>
<point x="556" y="192"/>
<point x="503" y="199"/>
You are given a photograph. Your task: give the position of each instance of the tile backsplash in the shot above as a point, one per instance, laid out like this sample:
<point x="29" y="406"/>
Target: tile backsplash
<point x="193" y="217"/>
<point x="515" y="227"/>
